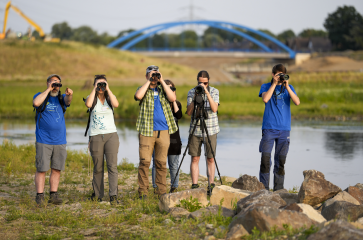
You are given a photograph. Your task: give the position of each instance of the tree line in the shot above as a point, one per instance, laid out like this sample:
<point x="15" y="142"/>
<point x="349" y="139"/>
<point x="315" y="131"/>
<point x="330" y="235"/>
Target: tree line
<point x="344" y="28"/>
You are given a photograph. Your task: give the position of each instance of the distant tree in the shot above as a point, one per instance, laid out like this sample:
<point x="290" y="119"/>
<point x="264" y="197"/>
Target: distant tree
<point x="35" y="34"/>
<point x="259" y="37"/>
<point x="344" y="26"/>
<point x="85" y="34"/>
<point x="309" y="32"/>
<point x="285" y="35"/>
<point x="62" y="31"/>
<point x="212" y="40"/>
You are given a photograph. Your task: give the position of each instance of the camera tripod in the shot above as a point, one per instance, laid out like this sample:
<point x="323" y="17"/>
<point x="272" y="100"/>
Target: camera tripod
<point x="200" y="117"/>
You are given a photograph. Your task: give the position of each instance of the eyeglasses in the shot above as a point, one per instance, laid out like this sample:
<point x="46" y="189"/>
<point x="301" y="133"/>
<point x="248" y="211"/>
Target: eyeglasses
<point x="173" y="89"/>
<point x="205" y="83"/>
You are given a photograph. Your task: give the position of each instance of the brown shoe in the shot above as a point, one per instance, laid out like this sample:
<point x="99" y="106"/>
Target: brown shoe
<point x="173" y="189"/>
<point x="39" y="199"/>
<point x="55" y="199"/>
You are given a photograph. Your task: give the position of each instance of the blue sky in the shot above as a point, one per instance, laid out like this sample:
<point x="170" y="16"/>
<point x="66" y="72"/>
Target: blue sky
<point x="114" y="16"/>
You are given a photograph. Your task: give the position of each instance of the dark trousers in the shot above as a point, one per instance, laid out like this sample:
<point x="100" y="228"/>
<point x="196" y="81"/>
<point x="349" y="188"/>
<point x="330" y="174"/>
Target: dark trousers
<point x="281" y="139"/>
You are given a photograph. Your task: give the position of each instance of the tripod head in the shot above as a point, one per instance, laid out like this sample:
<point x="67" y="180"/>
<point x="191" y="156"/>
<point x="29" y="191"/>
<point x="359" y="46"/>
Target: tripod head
<point x="199" y="103"/>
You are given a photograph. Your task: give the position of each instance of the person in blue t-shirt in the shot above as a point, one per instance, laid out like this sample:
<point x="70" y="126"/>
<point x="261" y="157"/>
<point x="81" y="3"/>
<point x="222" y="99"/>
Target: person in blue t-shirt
<point x="50" y="134"/>
<point x="276" y="126"/>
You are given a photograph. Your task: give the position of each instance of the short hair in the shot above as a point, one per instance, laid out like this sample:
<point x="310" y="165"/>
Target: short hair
<point x="279" y="68"/>
<point x="203" y="74"/>
<point x="167" y="81"/>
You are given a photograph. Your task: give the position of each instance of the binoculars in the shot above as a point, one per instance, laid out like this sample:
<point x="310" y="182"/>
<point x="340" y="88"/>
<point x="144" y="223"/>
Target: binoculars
<point x="101" y="84"/>
<point x="155" y="76"/>
<point x="56" y="85"/>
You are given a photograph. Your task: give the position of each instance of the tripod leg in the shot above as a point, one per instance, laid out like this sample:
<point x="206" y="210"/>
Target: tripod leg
<point x="202" y="126"/>
<point x="214" y="156"/>
<point x="190" y="136"/>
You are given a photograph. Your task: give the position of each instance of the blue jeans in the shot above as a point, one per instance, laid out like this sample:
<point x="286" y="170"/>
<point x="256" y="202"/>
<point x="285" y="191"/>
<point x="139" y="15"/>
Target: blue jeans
<point x="281" y="139"/>
<point x="173" y="162"/>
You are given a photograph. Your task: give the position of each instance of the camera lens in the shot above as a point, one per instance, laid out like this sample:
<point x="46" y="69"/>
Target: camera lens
<point x="286" y="77"/>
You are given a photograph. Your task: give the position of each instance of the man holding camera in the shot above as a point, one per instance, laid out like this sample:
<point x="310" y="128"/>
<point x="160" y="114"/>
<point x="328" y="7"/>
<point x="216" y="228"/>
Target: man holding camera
<point x="50" y="134"/>
<point x="155" y="123"/>
<point x="276" y="125"/>
<point x="211" y="103"/>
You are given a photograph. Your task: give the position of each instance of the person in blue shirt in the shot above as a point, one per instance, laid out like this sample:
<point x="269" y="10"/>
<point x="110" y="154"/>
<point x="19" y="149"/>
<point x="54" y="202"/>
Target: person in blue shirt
<point x="50" y="134"/>
<point x="276" y="126"/>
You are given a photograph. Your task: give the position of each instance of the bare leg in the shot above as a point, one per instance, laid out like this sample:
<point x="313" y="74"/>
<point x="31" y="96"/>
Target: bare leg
<point x="194" y="169"/>
<point x="211" y="169"/>
<point x="54" y="180"/>
<point x="39" y="181"/>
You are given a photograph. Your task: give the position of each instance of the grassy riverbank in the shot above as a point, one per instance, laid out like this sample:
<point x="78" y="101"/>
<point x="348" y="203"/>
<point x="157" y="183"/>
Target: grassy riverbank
<point x="331" y="96"/>
<point x="79" y="218"/>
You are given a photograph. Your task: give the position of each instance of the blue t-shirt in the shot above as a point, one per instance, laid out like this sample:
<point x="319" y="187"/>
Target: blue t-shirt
<point x="159" y="117"/>
<point x="277" y="115"/>
<point x="51" y="128"/>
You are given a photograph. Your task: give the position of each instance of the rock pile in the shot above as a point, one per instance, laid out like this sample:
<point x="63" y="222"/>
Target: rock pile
<point x="251" y="206"/>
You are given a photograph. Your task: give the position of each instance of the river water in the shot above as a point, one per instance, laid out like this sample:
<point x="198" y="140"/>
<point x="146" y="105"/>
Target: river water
<point x="335" y="149"/>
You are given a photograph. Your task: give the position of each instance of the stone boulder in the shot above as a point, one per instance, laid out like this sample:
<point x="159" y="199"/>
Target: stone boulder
<point x="236" y="232"/>
<point x="170" y="200"/>
<point x="214" y="210"/>
<point x="315" y="189"/>
<point x="342" y="196"/>
<point x="360" y="220"/>
<point x="359" y="185"/>
<point x="264" y="218"/>
<point x="336" y="231"/>
<point x="260" y="198"/>
<point x="248" y="183"/>
<point x="342" y="210"/>
<point x="306" y="209"/>
<point x="228" y="179"/>
<point x="289" y="198"/>
<point x="178" y="212"/>
<point x="356" y="193"/>
<point x="230" y="195"/>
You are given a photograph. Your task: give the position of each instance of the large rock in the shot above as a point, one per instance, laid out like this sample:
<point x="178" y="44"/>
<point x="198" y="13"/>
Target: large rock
<point x="315" y="189"/>
<point x="356" y="193"/>
<point x="360" y="220"/>
<point x="311" y="213"/>
<point x="359" y="185"/>
<point x="248" y="183"/>
<point x="236" y="232"/>
<point x="230" y="195"/>
<point x="342" y="210"/>
<point x="170" y="200"/>
<point x="228" y="179"/>
<point x="342" y="196"/>
<point x="289" y="198"/>
<point x="260" y="198"/>
<point x="214" y="210"/>
<point x="264" y="218"/>
<point x="178" y="212"/>
<point x="337" y="231"/>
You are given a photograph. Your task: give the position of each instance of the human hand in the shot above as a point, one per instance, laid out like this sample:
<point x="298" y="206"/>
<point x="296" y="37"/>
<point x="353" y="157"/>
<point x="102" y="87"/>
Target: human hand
<point x="99" y="81"/>
<point x="276" y="79"/>
<point x="69" y="92"/>
<point x="50" y="83"/>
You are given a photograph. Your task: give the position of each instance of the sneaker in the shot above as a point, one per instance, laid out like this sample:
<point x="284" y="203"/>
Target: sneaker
<point x="93" y="198"/>
<point x="173" y="189"/>
<point x="113" y="200"/>
<point x="143" y="197"/>
<point x="39" y="199"/>
<point x="194" y="186"/>
<point x="210" y="190"/>
<point x="55" y="199"/>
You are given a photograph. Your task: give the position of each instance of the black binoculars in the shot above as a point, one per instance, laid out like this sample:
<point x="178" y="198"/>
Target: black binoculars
<point x="154" y="76"/>
<point x="173" y="89"/>
<point x="56" y="85"/>
<point x="101" y="84"/>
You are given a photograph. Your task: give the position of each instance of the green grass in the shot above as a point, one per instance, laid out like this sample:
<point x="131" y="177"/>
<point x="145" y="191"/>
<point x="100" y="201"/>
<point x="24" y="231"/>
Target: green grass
<point x="322" y="95"/>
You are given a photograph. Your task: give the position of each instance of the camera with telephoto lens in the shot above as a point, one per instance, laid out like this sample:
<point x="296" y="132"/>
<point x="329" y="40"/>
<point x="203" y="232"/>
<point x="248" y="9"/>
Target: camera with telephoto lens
<point x="155" y="76"/>
<point x="101" y="84"/>
<point x="199" y="100"/>
<point x="283" y="77"/>
<point x="56" y="85"/>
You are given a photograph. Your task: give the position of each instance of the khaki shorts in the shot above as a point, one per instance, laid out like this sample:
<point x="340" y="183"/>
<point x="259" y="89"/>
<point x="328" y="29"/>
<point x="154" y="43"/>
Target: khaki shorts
<point x="50" y="156"/>
<point x="195" y="146"/>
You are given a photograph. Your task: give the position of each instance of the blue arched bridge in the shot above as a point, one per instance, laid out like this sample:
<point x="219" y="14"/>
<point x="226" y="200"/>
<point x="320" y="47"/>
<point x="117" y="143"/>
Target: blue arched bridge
<point x="131" y="39"/>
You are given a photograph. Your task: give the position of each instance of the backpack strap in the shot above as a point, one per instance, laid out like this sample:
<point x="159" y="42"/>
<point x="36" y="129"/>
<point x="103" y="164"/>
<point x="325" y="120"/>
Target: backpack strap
<point x="41" y="108"/>
<point x="61" y="101"/>
<point x="90" y="111"/>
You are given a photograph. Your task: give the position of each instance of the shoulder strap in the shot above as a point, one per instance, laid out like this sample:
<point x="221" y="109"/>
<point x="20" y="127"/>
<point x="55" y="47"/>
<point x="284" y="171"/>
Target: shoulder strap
<point x="41" y="108"/>
<point x="61" y="101"/>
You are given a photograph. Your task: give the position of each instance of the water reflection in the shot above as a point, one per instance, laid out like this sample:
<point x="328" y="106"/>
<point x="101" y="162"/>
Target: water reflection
<point x="343" y="146"/>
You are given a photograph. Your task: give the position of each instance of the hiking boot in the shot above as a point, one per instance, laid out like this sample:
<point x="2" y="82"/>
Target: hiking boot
<point x="173" y="189"/>
<point x="113" y="200"/>
<point x="143" y="197"/>
<point x="210" y="190"/>
<point x="39" y="199"/>
<point x="194" y="186"/>
<point x="93" y="198"/>
<point x="155" y="190"/>
<point x="55" y="199"/>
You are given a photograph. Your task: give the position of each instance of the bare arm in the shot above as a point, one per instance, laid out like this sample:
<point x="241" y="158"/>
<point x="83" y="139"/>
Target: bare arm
<point x="169" y="93"/>
<point x="69" y="96"/>
<point x="113" y="99"/>
<point x="41" y="97"/>
<point x="190" y="108"/>
<point x="293" y="96"/>
<point x="266" y="96"/>
<point x="91" y="98"/>
<point x="142" y="91"/>
<point x="212" y="103"/>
